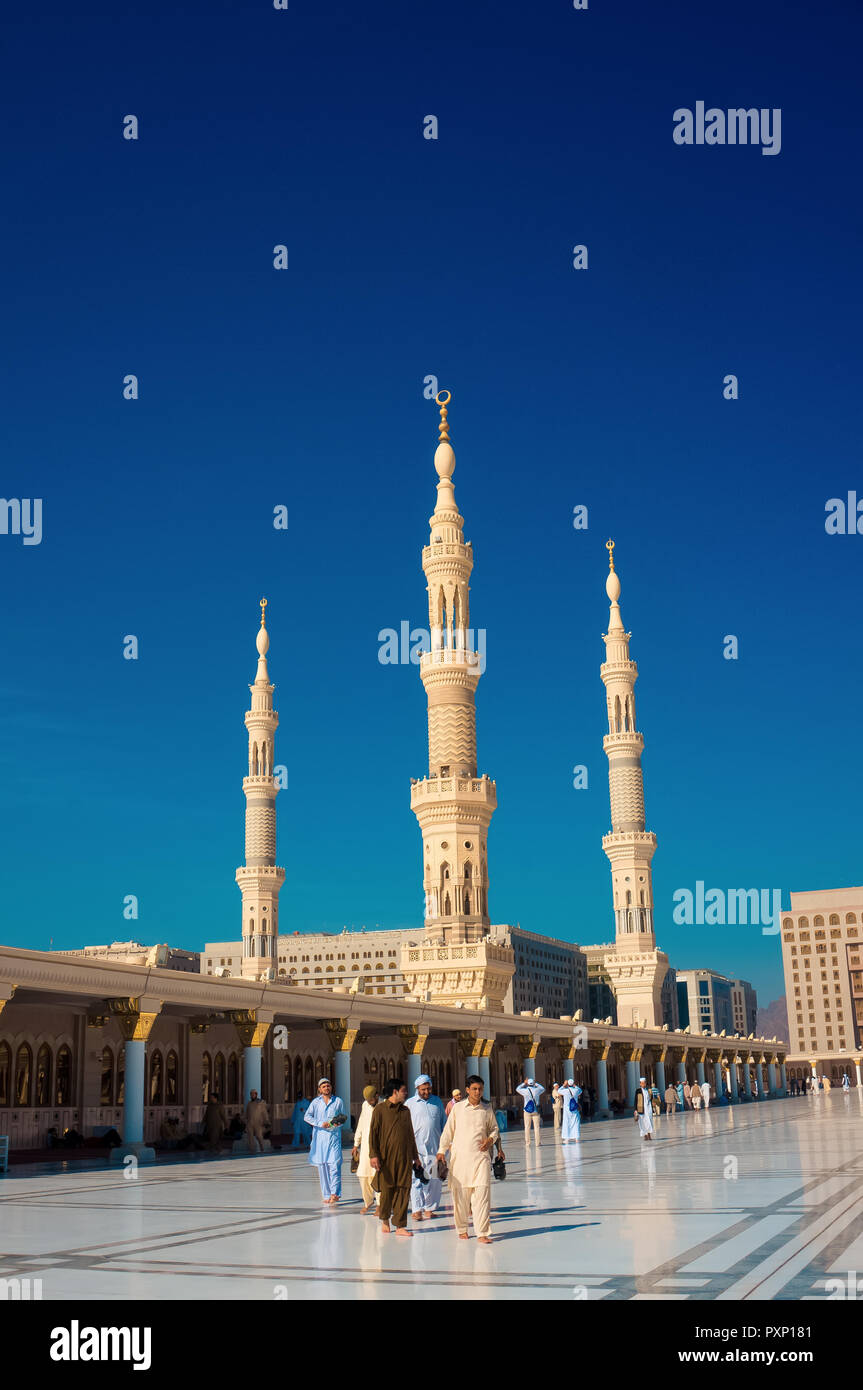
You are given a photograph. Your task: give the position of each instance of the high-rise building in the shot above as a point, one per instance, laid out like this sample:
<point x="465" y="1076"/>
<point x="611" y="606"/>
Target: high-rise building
<point x="822" y="956"/>
<point x="549" y="974"/>
<point x="744" y="1006"/>
<point x="705" y="1001"/>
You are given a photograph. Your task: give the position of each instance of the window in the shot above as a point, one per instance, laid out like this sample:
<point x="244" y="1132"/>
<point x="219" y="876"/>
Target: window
<point x="43" y="1075"/>
<point x="106" y="1094"/>
<point x="23" y="1075"/>
<point x="5" y="1072"/>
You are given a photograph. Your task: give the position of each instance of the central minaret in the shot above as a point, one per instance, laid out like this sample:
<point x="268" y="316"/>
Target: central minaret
<point x="636" y="968"/>
<point x="259" y="880"/>
<point x="453" y="805"/>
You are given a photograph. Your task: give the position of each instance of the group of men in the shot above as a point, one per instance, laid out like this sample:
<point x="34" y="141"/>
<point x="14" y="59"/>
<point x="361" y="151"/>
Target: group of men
<point x="686" y="1097"/>
<point x="404" y="1144"/>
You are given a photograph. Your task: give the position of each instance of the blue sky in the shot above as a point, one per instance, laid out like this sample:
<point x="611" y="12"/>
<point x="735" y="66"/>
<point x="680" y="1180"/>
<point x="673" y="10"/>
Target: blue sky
<point x="304" y="388"/>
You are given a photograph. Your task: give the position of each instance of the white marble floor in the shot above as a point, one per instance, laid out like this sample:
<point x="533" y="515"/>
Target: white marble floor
<point x="752" y="1202"/>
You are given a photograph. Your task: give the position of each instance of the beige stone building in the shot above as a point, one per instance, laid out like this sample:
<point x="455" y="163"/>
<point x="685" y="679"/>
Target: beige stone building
<point x="822" y="957"/>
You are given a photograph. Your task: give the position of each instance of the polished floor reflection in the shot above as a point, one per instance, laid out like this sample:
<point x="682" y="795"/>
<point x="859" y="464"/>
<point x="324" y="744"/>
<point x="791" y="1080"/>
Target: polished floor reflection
<point x="762" y="1201"/>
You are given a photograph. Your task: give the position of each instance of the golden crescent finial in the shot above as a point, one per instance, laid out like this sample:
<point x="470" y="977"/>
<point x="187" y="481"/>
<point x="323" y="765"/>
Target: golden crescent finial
<point x="443" y="427"/>
<point x="263" y="612"/>
<point x="609" y="545"/>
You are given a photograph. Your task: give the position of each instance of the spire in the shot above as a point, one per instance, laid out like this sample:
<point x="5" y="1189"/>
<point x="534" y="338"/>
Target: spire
<point x="262" y="642"/>
<point x="444" y="460"/>
<point x="612" y="588"/>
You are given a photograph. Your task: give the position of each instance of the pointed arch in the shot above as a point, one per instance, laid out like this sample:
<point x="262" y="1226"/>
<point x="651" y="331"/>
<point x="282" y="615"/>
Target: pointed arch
<point x="106" y="1093"/>
<point x="5" y="1073"/>
<point x="23" y="1075"/>
<point x="44" y="1067"/>
<point x="172" y="1078"/>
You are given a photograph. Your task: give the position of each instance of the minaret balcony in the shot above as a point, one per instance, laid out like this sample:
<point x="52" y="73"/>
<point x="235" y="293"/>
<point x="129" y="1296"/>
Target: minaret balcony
<point x="450" y="656"/>
<point x="257" y="780"/>
<point x="621" y="844"/>
<point x="464" y="551"/>
<point x="453" y="791"/>
<point x="628" y="742"/>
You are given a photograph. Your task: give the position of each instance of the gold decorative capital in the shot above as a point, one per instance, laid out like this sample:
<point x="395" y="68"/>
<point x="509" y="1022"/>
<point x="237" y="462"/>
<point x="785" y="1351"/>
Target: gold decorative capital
<point x="413" y="1041"/>
<point x="529" y="1046"/>
<point x="135" y="1017"/>
<point x="342" y="1038"/>
<point x="6" y="992"/>
<point x="469" y="1045"/>
<point x="250" y="1029"/>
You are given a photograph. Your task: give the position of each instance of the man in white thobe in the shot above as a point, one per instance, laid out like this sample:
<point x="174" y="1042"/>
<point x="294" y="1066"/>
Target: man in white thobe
<point x="429" y="1118"/>
<point x="705" y="1094"/>
<point x="530" y="1091"/>
<point x="644" y="1109"/>
<point x="469" y="1137"/>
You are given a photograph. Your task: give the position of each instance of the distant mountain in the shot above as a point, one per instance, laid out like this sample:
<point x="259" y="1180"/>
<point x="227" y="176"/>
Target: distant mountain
<point x="772" y="1022"/>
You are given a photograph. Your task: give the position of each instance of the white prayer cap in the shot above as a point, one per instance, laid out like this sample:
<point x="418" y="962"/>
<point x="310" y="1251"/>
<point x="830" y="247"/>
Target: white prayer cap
<point x="570" y="1081"/>
<point x="325" y="1080"/>
<point x="642" y="1078"/>
<point x="422" y="1081"/>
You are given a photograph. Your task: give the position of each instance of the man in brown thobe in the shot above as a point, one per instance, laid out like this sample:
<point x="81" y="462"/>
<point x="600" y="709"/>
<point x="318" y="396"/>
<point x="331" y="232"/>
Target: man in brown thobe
<point x="215" y="1123"/>
<point x="257" y="1120"/>
<point x="393" y="1153"/>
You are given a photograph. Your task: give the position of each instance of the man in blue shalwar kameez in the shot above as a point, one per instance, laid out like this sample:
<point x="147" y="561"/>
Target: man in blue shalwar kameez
<point x="326" y="1147"/>
<point x="428" y="1117"/>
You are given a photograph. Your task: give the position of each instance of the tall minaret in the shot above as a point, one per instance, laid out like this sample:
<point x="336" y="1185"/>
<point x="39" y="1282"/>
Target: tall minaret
<point x="453" y="805"/>
<point x="259" y="880"/>
<point x="636" y="968"/>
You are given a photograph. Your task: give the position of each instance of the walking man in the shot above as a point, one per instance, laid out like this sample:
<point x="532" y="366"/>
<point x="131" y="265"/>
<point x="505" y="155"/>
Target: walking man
<point x="670" y="1099"/>
<point x="469" y="1137"/>
<point x="644" y="1109"/>
<point x="695" y="1096"/>
<point x="257" y="1120"/>
<point x="428" y="1117"/>
<point x="705" y="1094"/>
<point x="530" y="1091"/>
<point x="394" y="1156"/>
<point x="215" y="1122"/>
<point x="365" y="1171"/>
<point x="557" y="1105"/>
<point x="298" y="1115"/>
<point x="326" y="1115"/>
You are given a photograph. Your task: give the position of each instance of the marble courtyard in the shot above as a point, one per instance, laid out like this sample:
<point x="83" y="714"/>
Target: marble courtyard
<point x="754" y="1202"/>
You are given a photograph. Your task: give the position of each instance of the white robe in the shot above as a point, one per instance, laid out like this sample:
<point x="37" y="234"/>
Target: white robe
<point x="361" y="1140"/>
<point x="570" y="1127"/>
<point x="705" y="1094"/>
<point x="645" y="1121"/>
